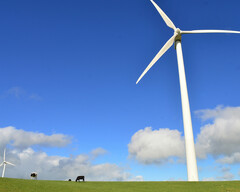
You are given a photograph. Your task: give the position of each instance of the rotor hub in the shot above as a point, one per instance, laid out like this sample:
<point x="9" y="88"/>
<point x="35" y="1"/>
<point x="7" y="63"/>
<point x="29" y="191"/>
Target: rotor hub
<point x="178" y="33"/>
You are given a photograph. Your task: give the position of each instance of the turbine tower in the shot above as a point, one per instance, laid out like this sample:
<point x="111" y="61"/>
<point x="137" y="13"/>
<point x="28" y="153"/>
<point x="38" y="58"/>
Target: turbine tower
<point x="187" y="122"/>
<point x="4" y="163"/>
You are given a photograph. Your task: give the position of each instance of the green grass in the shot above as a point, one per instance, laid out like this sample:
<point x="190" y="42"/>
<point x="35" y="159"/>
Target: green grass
<point x="23" y="185"/>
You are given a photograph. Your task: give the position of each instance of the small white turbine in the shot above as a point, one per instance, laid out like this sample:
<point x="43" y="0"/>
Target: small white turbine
<point x="4" y="163"/>
<point x="189" y="141"/>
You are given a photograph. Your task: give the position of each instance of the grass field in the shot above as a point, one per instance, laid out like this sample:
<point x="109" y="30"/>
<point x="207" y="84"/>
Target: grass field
<point x="22" y="185"/>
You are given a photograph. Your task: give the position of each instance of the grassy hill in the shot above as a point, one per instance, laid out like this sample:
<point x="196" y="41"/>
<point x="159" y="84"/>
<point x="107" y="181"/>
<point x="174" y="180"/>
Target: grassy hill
<point x="23" y="185"/>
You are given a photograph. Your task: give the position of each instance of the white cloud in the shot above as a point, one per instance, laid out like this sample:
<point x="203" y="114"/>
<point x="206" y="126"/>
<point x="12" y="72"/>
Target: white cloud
<point x="232" y="159"/>
<point x="224" y="174"/>
<point x="227" y="176"/>
<point x="149" y="146"/>
<point x="220" y="138"/>
<point x="137" y="178"/>
<point x="62" y="168"/>
<point x="20" y="93"/>
<point x="175" y="179"/>
<point x="35" y="96"/>
<point x="98" y="151"/>
<point x="15" y="91"/>
<point x="24" y="139"/>
<point x="225" y="169"/>
<point x="50" y="167"/>
<point x="208" y="179"/>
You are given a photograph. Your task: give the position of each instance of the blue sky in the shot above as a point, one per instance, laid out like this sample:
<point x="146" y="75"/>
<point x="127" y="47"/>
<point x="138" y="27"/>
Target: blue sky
<point x="68" y="71"/>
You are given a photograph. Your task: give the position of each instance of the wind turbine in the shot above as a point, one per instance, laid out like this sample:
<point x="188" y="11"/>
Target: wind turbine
<point x="4" y="163"/>
<point x="189" y="141"/>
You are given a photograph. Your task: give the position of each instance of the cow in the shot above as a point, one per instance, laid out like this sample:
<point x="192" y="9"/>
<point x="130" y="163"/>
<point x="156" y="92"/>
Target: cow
<point x="80" y="178"/>
<point x="34" y="175"/>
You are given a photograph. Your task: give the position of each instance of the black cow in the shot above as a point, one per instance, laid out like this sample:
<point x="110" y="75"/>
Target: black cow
<point x="33" y="175"/>
<point x="80" y="178"/>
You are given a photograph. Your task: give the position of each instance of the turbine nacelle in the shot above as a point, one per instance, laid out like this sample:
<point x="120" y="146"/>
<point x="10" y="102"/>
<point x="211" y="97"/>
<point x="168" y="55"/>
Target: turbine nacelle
<point x="177" y="34"/>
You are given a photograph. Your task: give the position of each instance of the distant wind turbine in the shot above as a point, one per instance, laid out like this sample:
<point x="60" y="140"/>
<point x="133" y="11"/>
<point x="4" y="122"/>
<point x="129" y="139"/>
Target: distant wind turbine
<point x="4" y="163"/>
<point x="189" y="141"/>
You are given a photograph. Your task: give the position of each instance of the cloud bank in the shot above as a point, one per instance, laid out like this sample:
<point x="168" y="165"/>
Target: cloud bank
<point x="20" y="151"/>
<point x="62" y="168"/>
<point x="220" y="139"/>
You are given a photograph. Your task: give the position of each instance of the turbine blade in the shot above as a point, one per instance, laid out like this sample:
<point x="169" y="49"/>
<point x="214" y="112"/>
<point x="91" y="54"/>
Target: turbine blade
<point x="209" y="31"/>
<point x="9" y="163"/>
<point x="164" y="16"/>
<point x="159" y="54"/>
<point x="4" y="154"/>
<point x="1" y="164"/>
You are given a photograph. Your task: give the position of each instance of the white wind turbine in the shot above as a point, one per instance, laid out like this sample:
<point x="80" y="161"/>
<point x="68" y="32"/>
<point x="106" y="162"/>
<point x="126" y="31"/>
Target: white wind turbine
<point x="189" y="141"/>
<point x="4" y="163"/>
